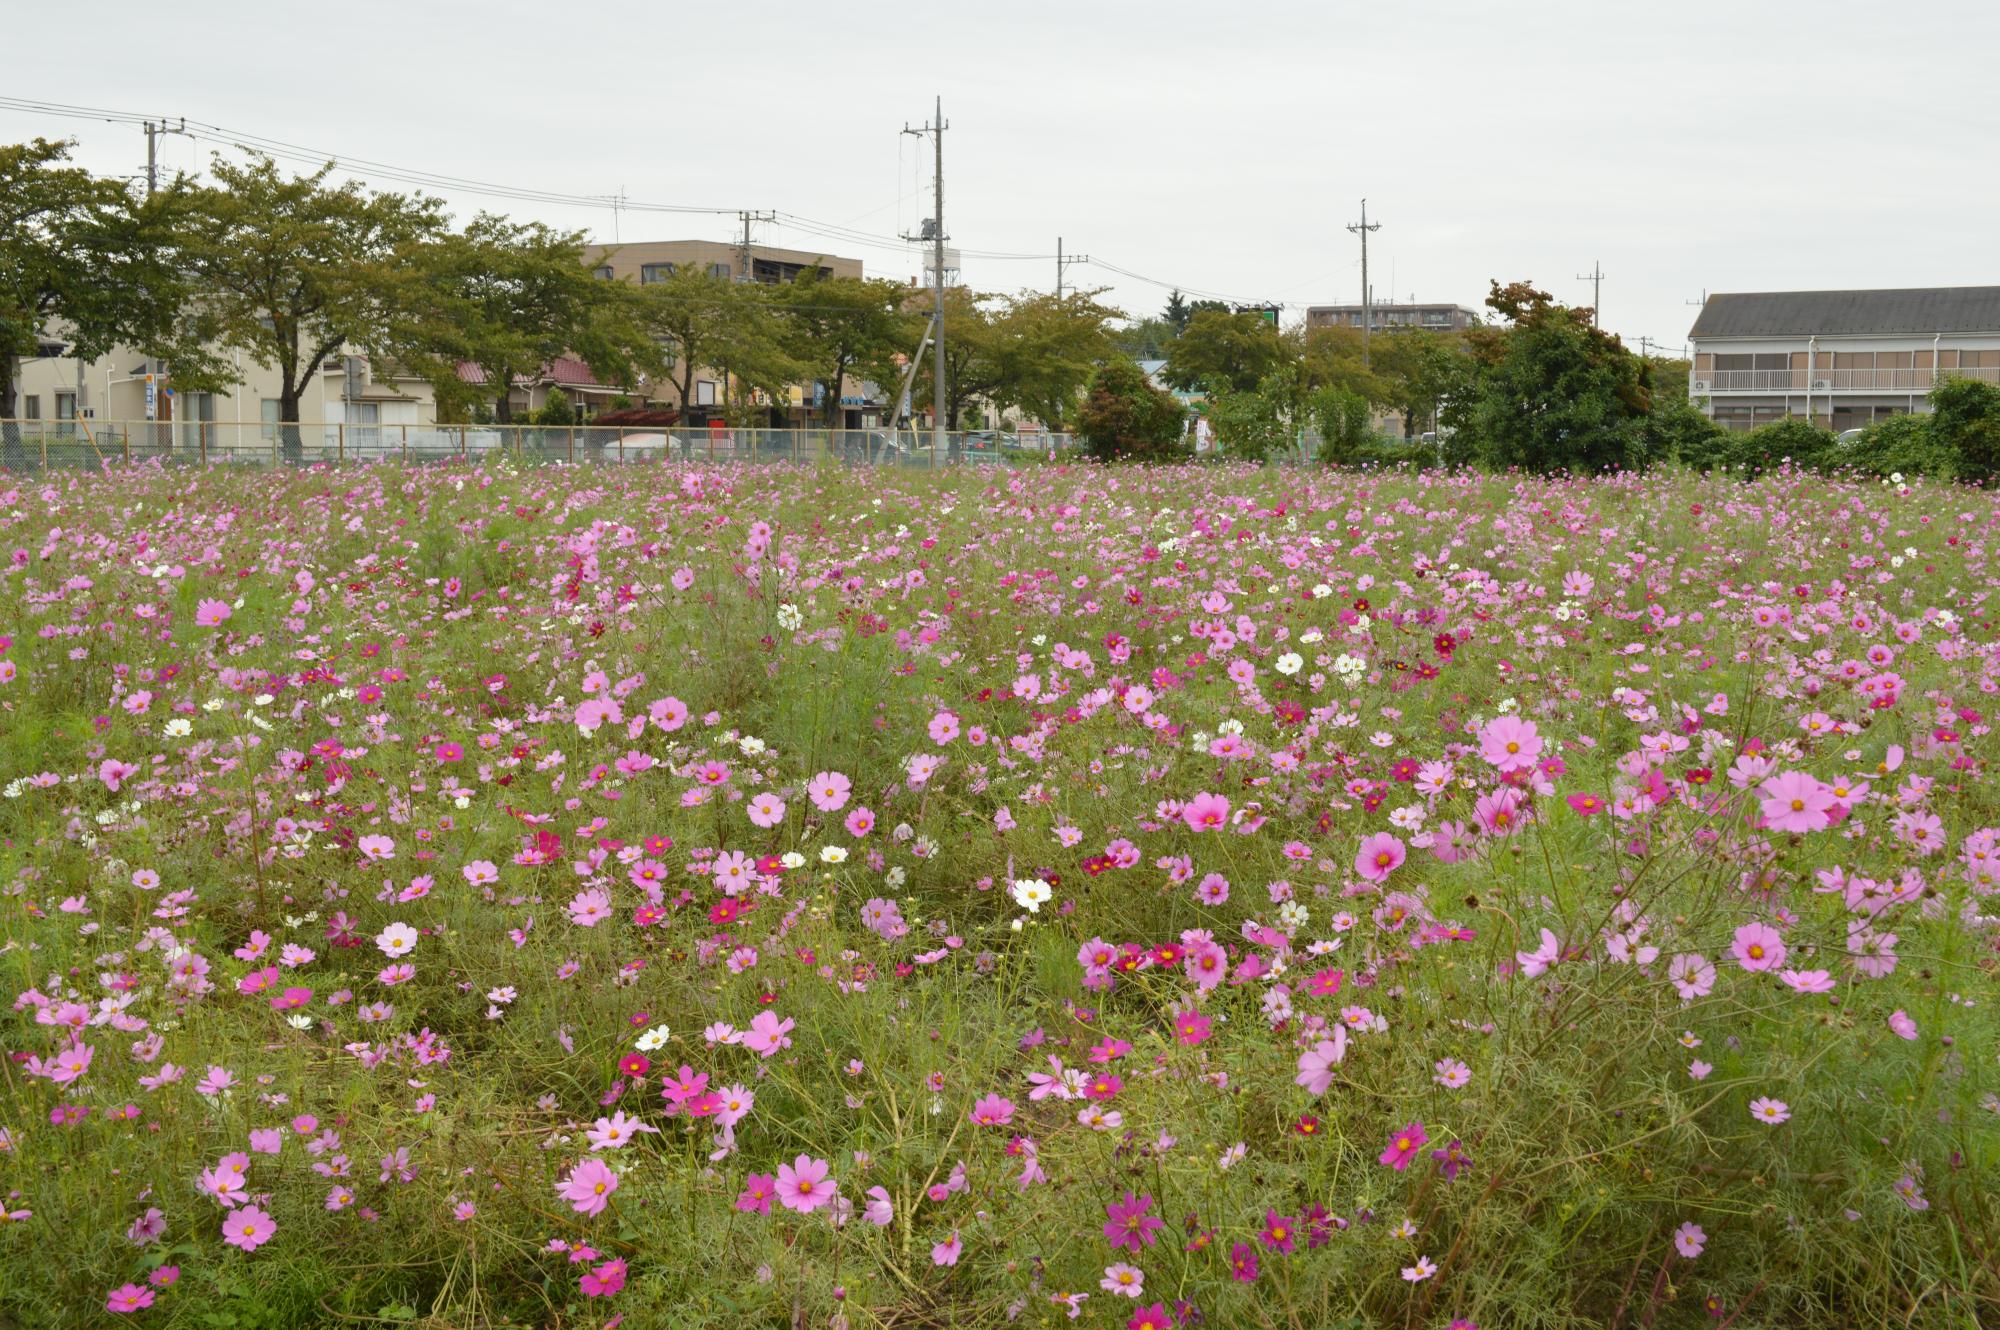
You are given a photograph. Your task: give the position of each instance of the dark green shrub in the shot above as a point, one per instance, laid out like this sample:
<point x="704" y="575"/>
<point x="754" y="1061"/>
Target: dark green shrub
<point x="1965" y="422"/>
<point x="1125" y="417"/>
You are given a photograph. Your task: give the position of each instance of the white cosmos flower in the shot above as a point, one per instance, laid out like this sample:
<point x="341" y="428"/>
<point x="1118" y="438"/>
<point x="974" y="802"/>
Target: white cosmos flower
<point x="1030" y="892"/>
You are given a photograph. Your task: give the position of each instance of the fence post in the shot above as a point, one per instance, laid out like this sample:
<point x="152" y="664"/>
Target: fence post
<point x="340" y="442"/>
<point x="45" y="450"/>
<point x="621" y="443"/>
<point x="124" y="434"/>
<point x="201" y="445"/>
<point x="462" y="429"/>
<point x="127" y="450"/>
<point x="406" y="445"/>
<point x="572" y="446"/>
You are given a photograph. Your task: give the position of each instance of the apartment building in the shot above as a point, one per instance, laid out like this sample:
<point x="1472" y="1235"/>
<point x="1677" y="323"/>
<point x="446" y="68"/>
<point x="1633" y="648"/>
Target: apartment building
<point x="1391" y="316"/>
<point x="1842" y="359"/>
<point x="648" y="261"/>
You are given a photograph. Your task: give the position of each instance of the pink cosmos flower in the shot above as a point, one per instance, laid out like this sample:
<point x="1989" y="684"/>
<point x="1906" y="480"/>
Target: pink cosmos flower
<point x="1403" y="1146"/>
<point x="1758" y="947"/>
<point x="993" y="1111"/>
<point x="803" y="1185"/>
<point x="129" y="1298"/>
<point x="1795" y="802"/>
<point x="758" y="1189"/>
<point x="947" y="1252"/>
<point x="212" y="613"/>
<point x="1316" y="1064"/>
<point x="1127" y="1281"/>
<point x="880" y="1210"/>
<point x="828" y="791"/>
<point x="1689" y="1240"/>
<point x="1904" y="1027"/>
<point x="589" y="1187"/>
<point x="1380" y="855"/>
<point x="1771" y="1111"/>
<point x="1692" y="975"/>
<point x="1155" y="1317"/>
<point x="248" y="1228"/>
<point x="1206" y="812"/>
<point x="766" y="810"/>
<point x="767" y="1034"/>
<point x="1510" y="743"/>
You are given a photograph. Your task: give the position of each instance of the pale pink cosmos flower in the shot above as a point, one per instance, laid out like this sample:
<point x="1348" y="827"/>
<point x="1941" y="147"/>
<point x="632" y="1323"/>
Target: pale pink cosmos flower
<point x="1795" y="802"/>
<point x="828" y="791"/>
<point x="1689" y="1239"/>
<point x="1771" y="1111"/>
<point x="1510" y="743"/>
<point x="212" y="613"/>
<point x="248" y="1228"/>
<point x="1900" y="1022"/>
<point x="1316" y="1064"/>
<point x="1380" y="855"/>
<point x="767" y="1034"/>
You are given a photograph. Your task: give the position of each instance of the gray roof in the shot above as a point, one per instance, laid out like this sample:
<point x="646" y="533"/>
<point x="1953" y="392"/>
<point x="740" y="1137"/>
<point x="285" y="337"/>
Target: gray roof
<point x="1917" y="310"/>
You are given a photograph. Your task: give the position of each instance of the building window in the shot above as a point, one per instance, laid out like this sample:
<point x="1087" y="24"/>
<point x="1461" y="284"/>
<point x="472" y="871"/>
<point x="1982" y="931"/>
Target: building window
<point x="197" y="406"/>
<point x="603" y="273"/>
<point x="704" y="392"/>
<point x="718" y="270"/>
<point x="31" y="407"/>
<point x="65" y="406"/>
<point x="655" y="272"/>
<point x="268" y="411"/>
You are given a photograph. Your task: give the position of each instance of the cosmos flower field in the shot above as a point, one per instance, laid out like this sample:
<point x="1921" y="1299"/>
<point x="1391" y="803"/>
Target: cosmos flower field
<point x="734" y="896"/>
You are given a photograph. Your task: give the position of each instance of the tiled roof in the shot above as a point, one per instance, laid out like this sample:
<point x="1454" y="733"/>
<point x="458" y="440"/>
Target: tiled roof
<point x="1924" y="311"/>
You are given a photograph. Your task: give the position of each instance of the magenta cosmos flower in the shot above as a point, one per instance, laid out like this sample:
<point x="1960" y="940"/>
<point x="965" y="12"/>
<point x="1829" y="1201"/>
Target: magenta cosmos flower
<point x="1380" y="855"/>
<point x="589" y="1186"/>
<point x="1128" y="1226"/>
<point x="993" y="1111"/>
<point x="1758" y="947"/>
<point x="803" y="1184"/>
<point x="1404" y="1145"/>
<point x="1795" y="801"/>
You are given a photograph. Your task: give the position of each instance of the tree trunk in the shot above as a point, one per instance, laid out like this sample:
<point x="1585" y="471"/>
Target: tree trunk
<point x="11" y="453"/>
<point x="503" y="405"/>
<point x="292" y="446"/>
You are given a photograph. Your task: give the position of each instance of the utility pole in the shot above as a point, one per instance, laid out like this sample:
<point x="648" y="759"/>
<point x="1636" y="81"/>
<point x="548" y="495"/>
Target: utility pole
<point x="154" y="129"/>
<point x="1367" y="293"/>
<point x="1063" y="264"/>
<point x="936" y="129"/>
<point x="743" y="251"/>
<point x="1596" y="279"/>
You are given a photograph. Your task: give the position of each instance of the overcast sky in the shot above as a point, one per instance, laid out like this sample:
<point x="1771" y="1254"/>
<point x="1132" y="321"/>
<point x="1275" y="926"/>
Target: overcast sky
<point x="1222" y="147"/>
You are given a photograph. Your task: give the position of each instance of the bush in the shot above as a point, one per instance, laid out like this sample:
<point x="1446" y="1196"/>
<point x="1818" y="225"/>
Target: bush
<point x="1804" y="444"/>
<point x="556" y="410"/>
<point x="1124" y="417"/>
<point x="1899" y="446"/>
<point x="1676" y="430"/>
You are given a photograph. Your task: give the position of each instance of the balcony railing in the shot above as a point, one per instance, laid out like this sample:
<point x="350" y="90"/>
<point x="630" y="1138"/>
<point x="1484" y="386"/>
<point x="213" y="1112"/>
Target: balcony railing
<point x="1829" y="380"/>
<point x="27" y="445"/>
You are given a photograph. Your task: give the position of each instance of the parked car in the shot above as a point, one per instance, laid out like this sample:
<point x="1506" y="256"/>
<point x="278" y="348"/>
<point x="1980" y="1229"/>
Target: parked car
<point x="1849" y="435"/>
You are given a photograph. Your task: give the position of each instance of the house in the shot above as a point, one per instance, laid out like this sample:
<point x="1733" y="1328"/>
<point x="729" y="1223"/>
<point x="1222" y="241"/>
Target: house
<point x="1841" y="359"/>
<point x="1391" y="316"/>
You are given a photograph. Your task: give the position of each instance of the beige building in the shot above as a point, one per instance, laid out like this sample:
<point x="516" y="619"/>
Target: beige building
<point x="124" y="386"/>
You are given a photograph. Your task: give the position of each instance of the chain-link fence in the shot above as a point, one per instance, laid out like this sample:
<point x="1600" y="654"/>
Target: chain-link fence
<point x="38" y="445"/>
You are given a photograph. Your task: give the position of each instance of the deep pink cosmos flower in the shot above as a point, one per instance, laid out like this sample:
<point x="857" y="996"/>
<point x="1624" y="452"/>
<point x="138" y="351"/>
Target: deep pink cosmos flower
<point x="604" y="1281"/>
<point x="803" y="1184"/>
<point x="758" y="1189"/>
<point x="1403" y="1146"/>
<point x="993" y="1111"/>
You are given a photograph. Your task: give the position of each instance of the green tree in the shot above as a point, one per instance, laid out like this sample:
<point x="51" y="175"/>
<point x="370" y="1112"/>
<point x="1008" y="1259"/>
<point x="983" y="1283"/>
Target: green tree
<point x="1551" y="392"/>
<point x="1221" y="352"/>
<point x="1145" y="339"/>
<point x="1342" y="418"/>
<point x="839" y="325"/>
<point x="1415" y="370"/>
<point x="1048" y="349"/>
<point x="1175" y="315"/>
<point x="1124" y="417"/>
<point x="291" y="268"/>
<point x="511" y="297"/>
<point x="86" y="263"/>
<point x="709" y="322"/>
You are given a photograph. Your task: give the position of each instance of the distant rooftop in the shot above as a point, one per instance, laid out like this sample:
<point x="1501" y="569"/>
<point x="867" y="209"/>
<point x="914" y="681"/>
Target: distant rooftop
<point x="1906" y="311"/>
